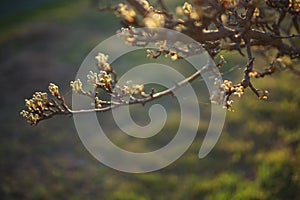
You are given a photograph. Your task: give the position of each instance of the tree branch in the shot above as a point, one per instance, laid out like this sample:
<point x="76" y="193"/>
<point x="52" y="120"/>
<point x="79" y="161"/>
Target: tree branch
<point x="152" y="97"/>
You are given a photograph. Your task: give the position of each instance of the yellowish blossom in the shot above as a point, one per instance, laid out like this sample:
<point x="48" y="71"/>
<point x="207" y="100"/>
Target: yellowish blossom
<point x="179" y="27"/>
<point x="97" y="103"/>
<point x="189" y="11"/>
<point x="226" y="85"/>
<point x="54" y="90"/>
<point x="239" y="90"/>
<point x="30" y="117"/>
<point x="263" y="95"/>
<point x="145" y="4"/>
<point x="154" y="20"/>
<point x="253" y="74"/>
<point x="125" y="12"/>
<point x="92" y="78"/>
<point x="129" y="88"/>
<point x="286" y="59"/>
<point x="179" y="11"/>
<point x="105" y="80"/>
<point x="187" y="8"/>
<point x="76" y="86"/>
<point x="102" y="62"/>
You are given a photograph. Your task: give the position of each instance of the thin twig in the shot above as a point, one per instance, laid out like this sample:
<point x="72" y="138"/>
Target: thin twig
<point x="150" y="97"/>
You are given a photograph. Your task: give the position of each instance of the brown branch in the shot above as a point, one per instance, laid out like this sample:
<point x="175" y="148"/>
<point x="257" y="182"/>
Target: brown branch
<point x="150" y="97"/>
<point x="239" y="31"/>
<point x="263" y="38"/>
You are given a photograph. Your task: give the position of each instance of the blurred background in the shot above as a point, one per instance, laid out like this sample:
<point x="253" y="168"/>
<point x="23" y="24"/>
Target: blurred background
<point x="42" y="41"/>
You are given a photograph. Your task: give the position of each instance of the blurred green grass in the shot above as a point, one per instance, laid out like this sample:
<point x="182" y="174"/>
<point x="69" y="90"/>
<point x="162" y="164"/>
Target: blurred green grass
<point x="257" y="156"/>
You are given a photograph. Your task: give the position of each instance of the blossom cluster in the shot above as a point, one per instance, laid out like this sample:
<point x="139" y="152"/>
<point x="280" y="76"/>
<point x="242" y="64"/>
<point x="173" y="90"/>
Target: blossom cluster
<point x="125" y="12"/>
<point x="40" y="107"/>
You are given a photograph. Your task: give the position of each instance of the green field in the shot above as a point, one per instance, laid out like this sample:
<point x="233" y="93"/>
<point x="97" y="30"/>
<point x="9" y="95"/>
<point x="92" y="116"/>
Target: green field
<point x="256" y="157"/>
